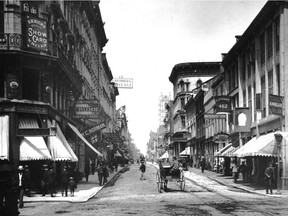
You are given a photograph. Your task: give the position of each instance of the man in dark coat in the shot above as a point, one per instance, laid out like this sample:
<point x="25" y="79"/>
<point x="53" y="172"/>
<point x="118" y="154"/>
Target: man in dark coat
<point x="100" y="172"/>
<point x="269" y="177"/>
<point x="65" y="181"/>
<point x="8" y="190"/>
<point x="21" y="185"/>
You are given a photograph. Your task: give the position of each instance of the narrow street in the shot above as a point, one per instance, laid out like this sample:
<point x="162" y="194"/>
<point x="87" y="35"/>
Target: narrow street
<point x="126" y="194"/>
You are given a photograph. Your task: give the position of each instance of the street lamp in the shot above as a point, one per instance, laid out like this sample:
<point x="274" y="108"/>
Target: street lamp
<point x="278" y="138"/>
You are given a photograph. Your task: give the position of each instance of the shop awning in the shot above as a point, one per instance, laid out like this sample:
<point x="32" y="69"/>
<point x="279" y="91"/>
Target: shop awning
<point x="84" y="140"/>
<point x="265" y="145"/>
<point x="219" y="152"/>
<point x="59" y="147"/>
<point x="117" y="154"/>
<point x="4" y="137"/>
<point x="165" y="155"/>
<point x="186" y="151"/>
<point x="229" y="152"/>
<point x="34" y="148"/>
<point x="248" y="145"/>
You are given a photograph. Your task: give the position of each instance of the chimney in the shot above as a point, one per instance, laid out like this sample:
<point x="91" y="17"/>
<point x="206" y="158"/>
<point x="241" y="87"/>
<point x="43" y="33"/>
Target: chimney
<point x="237" y="37"/>
<point x="223" y="55"/>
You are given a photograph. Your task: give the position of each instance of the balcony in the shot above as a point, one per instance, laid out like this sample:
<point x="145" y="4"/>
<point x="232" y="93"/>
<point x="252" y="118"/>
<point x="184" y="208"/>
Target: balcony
<point x="15" y="42"/>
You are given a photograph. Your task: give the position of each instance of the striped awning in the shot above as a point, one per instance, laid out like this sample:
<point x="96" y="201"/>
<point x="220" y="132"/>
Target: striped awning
<point x="34" y="148"/>
<point x="4" y="137"/>
<point x="218" y="153"/>
<point x="117" y="154"/>
<point x="229" y="152"/>
<point x="59" y="147"/>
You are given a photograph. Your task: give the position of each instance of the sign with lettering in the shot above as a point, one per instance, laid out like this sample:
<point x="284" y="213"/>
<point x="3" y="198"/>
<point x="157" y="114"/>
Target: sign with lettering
<point x="123" y="82"/>
<point x="30" y="8"/>
<point x="94" y="129"/>
<point x="87" y="109"/>
<point x="276" y="104"/>
<point x="36" y="33"/>
<point x="214" y="116"/>
<point x="222" y="104"/>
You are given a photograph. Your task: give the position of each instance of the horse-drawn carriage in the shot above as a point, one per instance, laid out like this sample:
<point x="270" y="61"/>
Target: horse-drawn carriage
<point x="164" y="175"/>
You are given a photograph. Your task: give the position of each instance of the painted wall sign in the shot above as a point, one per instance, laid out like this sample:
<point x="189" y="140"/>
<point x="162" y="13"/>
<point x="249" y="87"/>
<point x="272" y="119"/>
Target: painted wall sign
<point x="214" y="116"/>
<point x="36" y="33"/>
<point x="86" y="109"/>
<point x="276" y="104"/>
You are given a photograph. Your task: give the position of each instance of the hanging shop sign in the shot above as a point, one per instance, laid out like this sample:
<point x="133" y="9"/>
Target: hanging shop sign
<point x="276" y="104"/>
<point x="242" y="118"/>
<point x="94" y="129"/>
<point x="222" y="104"/>
<point x="36" y="34"/>
<point x="87" y="109"/>
<point x="123" y="82"/>
<point x="221" y="137"/>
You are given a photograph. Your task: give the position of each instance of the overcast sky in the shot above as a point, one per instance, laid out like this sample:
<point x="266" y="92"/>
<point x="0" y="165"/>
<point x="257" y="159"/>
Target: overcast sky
<point x="148" y="37"/>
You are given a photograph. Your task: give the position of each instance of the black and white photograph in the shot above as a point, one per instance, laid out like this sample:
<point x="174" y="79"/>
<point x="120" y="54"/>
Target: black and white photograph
<point x="143" y="107"/>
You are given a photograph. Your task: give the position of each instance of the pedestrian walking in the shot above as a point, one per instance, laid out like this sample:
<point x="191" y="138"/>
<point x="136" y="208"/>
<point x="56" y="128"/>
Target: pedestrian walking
<point x="100" y="173"/>
<point x="51" y="181"/>
<point x="64" y="181"/>
<point x="269" y="177"/>
<point x="72" y="186"/>
<point x="142" y="169"/>
<point x="44" y="181"/>
<point x="92" y="168"/>
<point x="105" y="172"/>
<point x="234" y="171"/>
<point x="8" y="189"/>
<point x="243" y="170"/>
<point x="27" y="176"/>
<point x="87" y="171"/>
<point x="202" y="164"/>
<point x="21" y="185"/>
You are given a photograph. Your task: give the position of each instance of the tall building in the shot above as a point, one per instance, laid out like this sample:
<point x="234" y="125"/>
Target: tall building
<point x="163" y="100"/>
<point x="55" y="83"/>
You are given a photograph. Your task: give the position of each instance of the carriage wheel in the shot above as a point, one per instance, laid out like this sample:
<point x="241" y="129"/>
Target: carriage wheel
<point x="159" y="182"/>
<point x="182" y="181"/>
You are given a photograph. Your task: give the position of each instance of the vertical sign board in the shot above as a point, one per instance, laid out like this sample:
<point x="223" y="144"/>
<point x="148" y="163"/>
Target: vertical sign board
<point x="36" y="34"/>
<point x="276" y="104"/>
<point x="242" y="119"/>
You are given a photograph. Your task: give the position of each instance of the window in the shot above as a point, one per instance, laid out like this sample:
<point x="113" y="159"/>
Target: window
<point x="277" y="34"/>
<point x="262" y="48"/>
<point x="182" y="103"/>
<point x="30" y="92"/>
<point x="1" y="18"/>
<point x="270" y="82"/>
<point x="244" y="98"/>
<point x="263" y="95"/>
<point x="243" y="67"/>
<point x="269" y="42"/>
<point x="249" y="97"/>
<point x="278" y="78"/>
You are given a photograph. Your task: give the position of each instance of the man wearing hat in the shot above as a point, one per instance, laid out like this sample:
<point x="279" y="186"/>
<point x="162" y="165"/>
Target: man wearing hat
<point x="21" y="184"/>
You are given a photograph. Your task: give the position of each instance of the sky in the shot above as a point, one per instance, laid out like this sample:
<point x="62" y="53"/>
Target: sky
<point x="148" y="37"/>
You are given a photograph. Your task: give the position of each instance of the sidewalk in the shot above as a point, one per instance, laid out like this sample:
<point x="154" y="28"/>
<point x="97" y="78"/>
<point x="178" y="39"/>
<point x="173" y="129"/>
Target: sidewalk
<point x="228" y="181"/>
<point x="83" y="192"/>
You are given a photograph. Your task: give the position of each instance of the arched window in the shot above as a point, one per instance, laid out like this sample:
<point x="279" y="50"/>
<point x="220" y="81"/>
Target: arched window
<point x="199" y="83"/>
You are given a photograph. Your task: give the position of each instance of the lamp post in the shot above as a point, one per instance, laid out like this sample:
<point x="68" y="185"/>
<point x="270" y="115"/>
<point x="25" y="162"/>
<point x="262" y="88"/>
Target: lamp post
<point x="278" y="138"/>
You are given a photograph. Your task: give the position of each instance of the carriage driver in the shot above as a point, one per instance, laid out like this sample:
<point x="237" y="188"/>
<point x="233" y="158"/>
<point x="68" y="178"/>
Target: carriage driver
<point x="174" y="169"/>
